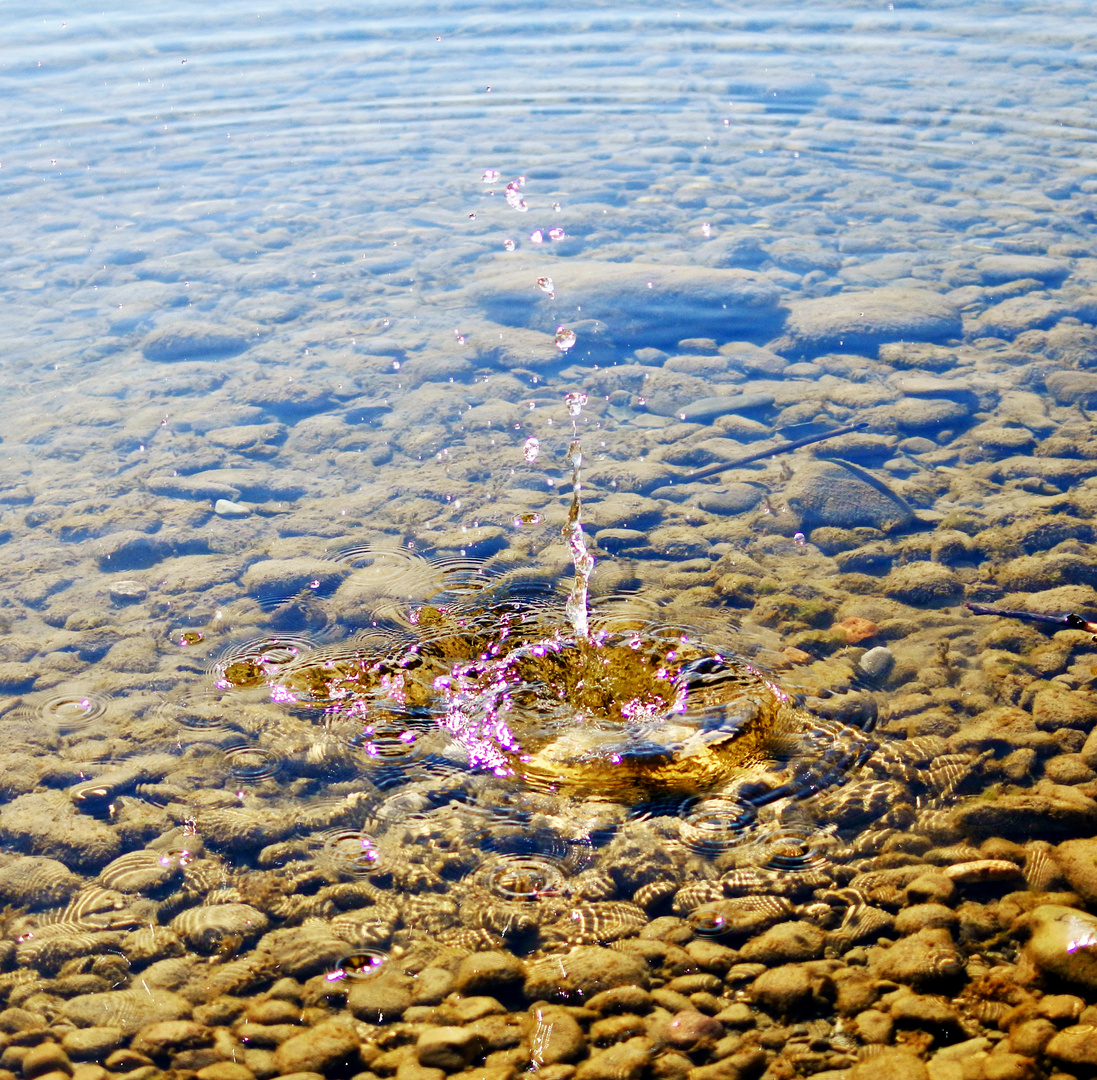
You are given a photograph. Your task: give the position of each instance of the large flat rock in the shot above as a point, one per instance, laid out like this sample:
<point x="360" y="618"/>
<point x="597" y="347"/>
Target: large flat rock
<point x="639" y="304"/>
<point x="862" y="320"/>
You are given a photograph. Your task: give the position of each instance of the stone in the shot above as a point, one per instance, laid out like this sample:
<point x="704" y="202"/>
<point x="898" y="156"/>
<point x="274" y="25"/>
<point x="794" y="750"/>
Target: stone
<point x="91" y="1043"/>
<point x="161" y="1040"/>
<point x="126" y="1010"/>
<point x="860" y="321"/>
<point x="580" y="974"/>
<point x="842" y="495"/>
<point x="491" y="973"/>
<point x="785" y="943"/>
<point x="689" y="1028"/>
<point x="448" y="1048"/>
<point x="998" y="269"/>
<point x="380" y="999"/>
<point x="45" y="1058"/>
<point x="1075" y="1046"/>
<point x="732" y="499"/>
<point x="1049" y="812"/>
<point x="873" y="1026"/>
<point x="925" y="959"/>
<point x="327" y="1048"/>
<point x="1072" y="387"/>
<point x="186" y="340"/>
<point x="641" y="304"/>
<point x="1058" y="706"/>
<point x="1078" y="861"/>
<point x="1063" y="944"/>
<point x="130" y="549"/>
<point x="281" y="579"/>
<point x="705" y="410"/>
<point x="47" y="823"/>
<point x="554" y="1035"/>
<point x="227" y="509"/>
<point x="891" y="1063"/>
<point x="916" y="415"/>
<point x="33" y="881"/>
<point x="622" y="1061"/>
<point x="204" y="928"/>
<point x="923" y="584"/>
<point x="788" y="989"/>
<point x="744" y="1065"/>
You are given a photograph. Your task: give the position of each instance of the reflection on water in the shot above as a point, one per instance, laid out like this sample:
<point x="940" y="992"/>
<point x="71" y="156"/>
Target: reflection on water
<point x="304" y="713"/>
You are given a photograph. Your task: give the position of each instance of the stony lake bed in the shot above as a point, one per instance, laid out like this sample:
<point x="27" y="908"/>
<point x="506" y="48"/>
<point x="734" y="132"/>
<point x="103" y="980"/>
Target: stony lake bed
<point x="285" y="469"/>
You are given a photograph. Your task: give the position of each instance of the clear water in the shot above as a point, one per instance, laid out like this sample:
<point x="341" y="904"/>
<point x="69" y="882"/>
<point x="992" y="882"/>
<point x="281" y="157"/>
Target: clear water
<point x="253" y="255"/>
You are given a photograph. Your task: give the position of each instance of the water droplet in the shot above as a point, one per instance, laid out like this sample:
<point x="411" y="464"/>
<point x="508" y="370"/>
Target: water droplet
<point x="537" y="237"/>
<point x="706" y="230"/>
<point x="556" y="207"/>
<point x="545" y="285"/>
<point x="530" y="449"/>
<point x="574" y="401"/>
<point x="556" y="234"/>
<point x="69" y="711"/>
<point x="489" y="176"/>
<point x="508" y="245"/>
<point x="515" y="200"/>
<point x="800" y="538"/>
<point x="472" y="216"/>
<point x="565" y="339"/>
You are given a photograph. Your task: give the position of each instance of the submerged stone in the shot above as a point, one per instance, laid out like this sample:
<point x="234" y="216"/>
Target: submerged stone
<point x="1063" y="944"/>
<point x="833" y="493"/>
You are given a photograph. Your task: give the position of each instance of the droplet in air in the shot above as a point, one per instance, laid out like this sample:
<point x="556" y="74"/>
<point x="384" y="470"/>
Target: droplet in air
<point x="575" y="400"/>
<point x="556" y="234"/>
<point x="800" y="539"/>
<point x="489" y="176"/>
<point x="508" y="245"/>
<point x="545" y="285"/>
<point x="530" y="449"/>
<point x="556" y="207"/>
<point x="515" y="200"/>
<point x="537" y="237"/>
<point x="706" y="230"/>
<point x="472" y="216"/>
<point x="565" y="338"/>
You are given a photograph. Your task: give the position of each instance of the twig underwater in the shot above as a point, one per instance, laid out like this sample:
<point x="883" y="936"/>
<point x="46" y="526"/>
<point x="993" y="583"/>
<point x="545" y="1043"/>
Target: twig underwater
<point x="1069" y="621"/>
<point x="718" y="467"/>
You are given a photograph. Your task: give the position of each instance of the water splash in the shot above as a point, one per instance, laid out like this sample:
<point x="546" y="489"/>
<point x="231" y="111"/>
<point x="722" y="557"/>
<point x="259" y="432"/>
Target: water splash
<point x="576" y="607"/>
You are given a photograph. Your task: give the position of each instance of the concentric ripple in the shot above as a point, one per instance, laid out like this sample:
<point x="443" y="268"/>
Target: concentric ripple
<point x="522" y="877"/>
<point x="715" y="825"/>
<point x="67" y="712"/>
<point x="251" y="764"/>
<point x="203" y="710"/>
<point x="793" y="848"/>
<point x="358" y="965"/>
<point x="258" y="659"/>
<point x="350" y="853"/>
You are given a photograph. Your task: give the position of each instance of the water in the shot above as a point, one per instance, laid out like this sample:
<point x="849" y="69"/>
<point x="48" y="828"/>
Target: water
<point x="311" y="316"/>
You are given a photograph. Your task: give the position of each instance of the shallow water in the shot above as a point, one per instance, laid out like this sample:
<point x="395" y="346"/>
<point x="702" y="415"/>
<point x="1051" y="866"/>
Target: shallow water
<point x="303" y="310"/>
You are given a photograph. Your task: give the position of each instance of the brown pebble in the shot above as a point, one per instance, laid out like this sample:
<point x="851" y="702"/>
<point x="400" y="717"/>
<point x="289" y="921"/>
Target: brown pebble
<point x="874" y="1026"/>
<point x="690" y="1029"/>
<point x="1075" y="1045"/>
<point x="622" y="999"/>
<point x="325" y="1048"/>
<point x="890" y="1063"/>
<point x="45" y="1058"/>
<point x="88" y="1071"/>
<point x="225" y="1070"/>
<point x="980" y="871"/>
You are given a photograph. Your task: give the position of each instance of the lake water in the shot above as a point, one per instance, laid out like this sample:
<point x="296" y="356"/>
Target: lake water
<point x="310" y="313"/>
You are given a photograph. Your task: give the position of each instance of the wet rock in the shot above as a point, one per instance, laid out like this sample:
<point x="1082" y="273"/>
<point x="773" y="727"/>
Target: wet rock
<point x="873" y="1026"/>
<point x="705" y="410"/>
<point x="205" y="928"/>
<point x="92" y="1043"/>
<point x="840" y="495"/>
<point x="891" y="1063"/>
<point x="227" y="509"/>
<point x="1016" y="314"/>
<point x="582" y="973"/>
<point x="1078" y="861"/>
<point x="129" y="549"/>
<point x="246" y="828"/>
<point x="622" y="1061"/>
<point x="47" y="823"/>
<point x="922" y="916"/>
<point x="861" y="321"/>
<point x="161" y="1040"/>
<point x="301" y="951"/>
<point x="493" y="973"/>
<point x="690" y="1029"/>
<point x="998" y="269"/>
<point x="1075" y="1046"/>
<point x="33" y="881"/>
<point x="1053" y="812"/>
<point x="45" y="1058"/>
<point x="328" y="1048"/>
<point x="279" y="579"/>
<point x="640" y="303"/>
<point x="1072" y="387"/>
<point x="448" y="1048"/>
<point x="1057" y="707"/>
<point x="916" y="415"/>
<point x="180" y="341"/>
<point x="791" y="988"/>
<point x="733" y="499"/>
<point x="1063" y="944"/>
<point x="925" y="959"/>
<point x="876" y="664"/>
<point x="745" y="1065"/>
<point x="126" y="1010"/>
<point x="380" y="999"/>
<point x="554" y="1035"/>
<point x="785" y="943"/>
<point x="923" y="584"/>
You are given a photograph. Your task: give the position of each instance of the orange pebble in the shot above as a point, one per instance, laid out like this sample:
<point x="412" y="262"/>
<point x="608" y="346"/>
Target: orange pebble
<point x="856" y="630"/>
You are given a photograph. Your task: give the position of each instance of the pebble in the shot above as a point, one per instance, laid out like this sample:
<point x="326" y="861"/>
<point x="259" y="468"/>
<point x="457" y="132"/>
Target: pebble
<point x="380" y="999"/>
<point x="48" y="824"/>
<point x="1075" y="1046"/>
<point x="891" y="1063"/>
<point x="45" y="1058"/>
<point x="785" y="943"/>
<point x="227" y="508"/>
<point x="833" y="494"/>
<point x="1063" y="943"/>
<point x="448" y="1048"/>
<point x="924" y="959"/>
<point x="580" y="974"/>
<point x="554" y="1035"/>
<point x="330" y="1047"/>
<point x="492" y="973"/>
<point x="186" y="340"/>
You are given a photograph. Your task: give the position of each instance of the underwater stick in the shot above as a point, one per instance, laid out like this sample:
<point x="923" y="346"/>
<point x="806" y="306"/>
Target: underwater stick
<point x="1057" y="622"/>
<point x="723" y="466"/>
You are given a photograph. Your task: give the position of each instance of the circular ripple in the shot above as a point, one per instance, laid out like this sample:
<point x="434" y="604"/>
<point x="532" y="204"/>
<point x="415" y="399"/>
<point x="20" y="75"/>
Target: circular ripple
<point x="793" y="849"/>
<point x="258" y="659"/>
<point x="522" y="877"/>
<point x="69" y="711"/>
<point x="715" y="825"/>
<point x="200" y="711"/>
<point x="251" y="764"/>
<point x="462" y="573"/>
<point x="707" y="922"/>
<point x="350" y="852"/>
<point x="359" y="965"/>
